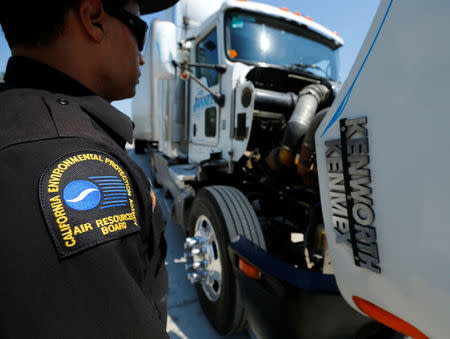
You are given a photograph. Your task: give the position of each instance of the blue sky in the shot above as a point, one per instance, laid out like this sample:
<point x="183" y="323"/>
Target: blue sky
<point x="350" y="18"/>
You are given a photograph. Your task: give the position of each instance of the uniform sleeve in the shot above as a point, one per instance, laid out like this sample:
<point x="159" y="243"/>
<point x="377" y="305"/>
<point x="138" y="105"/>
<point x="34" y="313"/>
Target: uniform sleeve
<point x="73" y="265"/>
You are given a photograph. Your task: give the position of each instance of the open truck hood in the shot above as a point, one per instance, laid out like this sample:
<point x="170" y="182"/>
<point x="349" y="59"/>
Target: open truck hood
<point x="383" y="166"/>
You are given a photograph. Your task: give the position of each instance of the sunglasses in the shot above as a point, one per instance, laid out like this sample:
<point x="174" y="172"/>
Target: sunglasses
<point x="137" y="26"/>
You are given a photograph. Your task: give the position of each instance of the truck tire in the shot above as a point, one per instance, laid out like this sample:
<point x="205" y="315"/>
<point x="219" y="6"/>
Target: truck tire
<point x="223" y="213"/>
<point x="139" y="146"/>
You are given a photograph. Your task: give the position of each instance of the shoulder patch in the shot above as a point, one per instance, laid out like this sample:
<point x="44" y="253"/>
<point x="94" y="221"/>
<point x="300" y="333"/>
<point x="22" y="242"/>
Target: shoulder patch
<point x="87" y="199"/>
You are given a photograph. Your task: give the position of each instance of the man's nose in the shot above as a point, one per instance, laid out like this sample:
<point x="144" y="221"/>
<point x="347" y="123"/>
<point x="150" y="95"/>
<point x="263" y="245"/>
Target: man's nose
<point x="141" y="60"/>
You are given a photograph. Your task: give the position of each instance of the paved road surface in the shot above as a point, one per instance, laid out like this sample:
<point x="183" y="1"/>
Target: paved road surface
<point x="186" y="319"/>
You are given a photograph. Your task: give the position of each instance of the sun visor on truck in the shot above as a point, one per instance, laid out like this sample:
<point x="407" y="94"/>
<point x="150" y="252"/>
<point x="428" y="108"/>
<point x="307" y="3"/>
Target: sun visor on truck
<point x="152" y="6"/>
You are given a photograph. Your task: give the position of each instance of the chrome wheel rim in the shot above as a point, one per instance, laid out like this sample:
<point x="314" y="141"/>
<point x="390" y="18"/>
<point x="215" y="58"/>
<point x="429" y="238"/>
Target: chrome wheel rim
<point x="211" y="281"/>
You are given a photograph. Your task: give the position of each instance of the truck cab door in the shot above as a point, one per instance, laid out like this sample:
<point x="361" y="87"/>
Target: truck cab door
<point x="203" y="109"/>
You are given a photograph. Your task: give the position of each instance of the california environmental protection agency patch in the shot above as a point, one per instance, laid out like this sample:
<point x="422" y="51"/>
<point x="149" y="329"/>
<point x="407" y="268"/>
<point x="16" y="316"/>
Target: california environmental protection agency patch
<point x="87" y="199"/>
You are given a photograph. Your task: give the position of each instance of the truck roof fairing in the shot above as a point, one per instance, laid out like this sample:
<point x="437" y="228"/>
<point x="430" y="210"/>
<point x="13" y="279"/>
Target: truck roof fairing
<point x="285" y="15"/>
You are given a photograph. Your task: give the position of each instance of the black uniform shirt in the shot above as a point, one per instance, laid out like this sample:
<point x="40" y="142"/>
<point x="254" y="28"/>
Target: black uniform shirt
<point x="81" y="251"/>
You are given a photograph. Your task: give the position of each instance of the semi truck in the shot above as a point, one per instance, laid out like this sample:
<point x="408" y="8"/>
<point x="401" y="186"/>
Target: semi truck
<point x="229" y="102"/>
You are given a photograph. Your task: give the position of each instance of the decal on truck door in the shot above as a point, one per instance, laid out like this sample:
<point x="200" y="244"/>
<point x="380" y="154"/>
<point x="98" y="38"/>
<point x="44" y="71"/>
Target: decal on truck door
<point x="351" y="194"/>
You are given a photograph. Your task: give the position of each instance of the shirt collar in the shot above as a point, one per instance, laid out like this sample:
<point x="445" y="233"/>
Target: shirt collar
<point x="23" y="72"/>
<point x="109" y="116"/>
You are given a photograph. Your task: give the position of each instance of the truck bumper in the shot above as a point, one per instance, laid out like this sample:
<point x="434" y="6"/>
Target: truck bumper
<point x="289" y="302"/>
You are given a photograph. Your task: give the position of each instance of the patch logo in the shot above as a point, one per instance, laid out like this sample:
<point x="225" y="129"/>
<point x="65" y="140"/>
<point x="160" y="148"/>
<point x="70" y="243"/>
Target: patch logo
<point x="87" y="199"/>
<point x="82" y="195"/>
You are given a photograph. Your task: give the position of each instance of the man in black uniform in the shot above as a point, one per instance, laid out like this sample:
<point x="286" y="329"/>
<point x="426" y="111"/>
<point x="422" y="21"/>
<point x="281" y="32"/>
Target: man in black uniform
<point x="82" y="240"/>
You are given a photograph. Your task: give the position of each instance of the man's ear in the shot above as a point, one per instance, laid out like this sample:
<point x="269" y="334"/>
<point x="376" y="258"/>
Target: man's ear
<point x="92" y="16"/>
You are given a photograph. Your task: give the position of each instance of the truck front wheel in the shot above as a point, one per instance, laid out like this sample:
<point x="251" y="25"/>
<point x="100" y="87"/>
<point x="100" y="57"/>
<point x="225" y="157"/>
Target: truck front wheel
<point x="218" y="214"/>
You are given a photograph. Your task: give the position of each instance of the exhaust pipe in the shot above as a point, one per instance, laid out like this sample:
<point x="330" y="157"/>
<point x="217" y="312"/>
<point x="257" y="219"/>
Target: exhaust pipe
<point x="309" y="99"/>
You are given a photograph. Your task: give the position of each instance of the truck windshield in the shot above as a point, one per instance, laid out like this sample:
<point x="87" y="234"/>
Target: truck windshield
<point x="252" y="38"/>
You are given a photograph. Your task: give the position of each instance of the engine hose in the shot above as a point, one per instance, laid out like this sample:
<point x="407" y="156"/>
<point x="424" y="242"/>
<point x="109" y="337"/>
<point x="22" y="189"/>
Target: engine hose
<point x="308" y="145"/>
<point x="308" y="140"/>
<point x="272" y="101"/>
<point x="310" y="98"/>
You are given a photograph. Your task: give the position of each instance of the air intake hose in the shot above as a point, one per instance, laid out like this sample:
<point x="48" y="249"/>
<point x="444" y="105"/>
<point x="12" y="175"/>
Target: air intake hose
<point x="309" y="99"/>
<point x="271" y="101"/>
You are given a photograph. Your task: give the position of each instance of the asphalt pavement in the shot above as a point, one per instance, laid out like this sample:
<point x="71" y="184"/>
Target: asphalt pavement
<point x="186" y="319"/>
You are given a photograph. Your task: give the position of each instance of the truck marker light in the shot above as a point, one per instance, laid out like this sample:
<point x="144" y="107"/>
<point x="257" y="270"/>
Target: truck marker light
<point x="336" y="33"/>
<point x="232" y="53"/>
<point x="388" y="319"/>
<point x="249" y="270"/>
<point x="284" y="9"/>
<point x="297" y="13"/>
<point x="309" y="18"/>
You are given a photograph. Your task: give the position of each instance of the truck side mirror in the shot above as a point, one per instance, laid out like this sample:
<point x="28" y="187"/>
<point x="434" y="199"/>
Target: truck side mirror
<point x="163" y="44"/>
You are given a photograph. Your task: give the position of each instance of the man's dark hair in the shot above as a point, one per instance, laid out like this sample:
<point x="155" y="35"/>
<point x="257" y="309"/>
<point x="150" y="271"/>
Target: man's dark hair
<point x="38" y="22"/>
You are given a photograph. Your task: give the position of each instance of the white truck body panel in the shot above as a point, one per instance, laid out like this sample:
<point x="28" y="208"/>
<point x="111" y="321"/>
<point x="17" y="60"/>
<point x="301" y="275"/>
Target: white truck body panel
<point x="141" y="107"/>
<point x="196" y="11"/>
<point x="399" y="82"/>
<point x="150" y="98"/>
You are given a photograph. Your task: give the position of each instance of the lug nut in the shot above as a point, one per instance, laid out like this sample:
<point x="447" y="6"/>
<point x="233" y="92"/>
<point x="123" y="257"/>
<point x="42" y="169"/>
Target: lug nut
<point x="203" y="264"/>
<point x="196" y="265"/>
<point x="196" y="277"/>
<point x="193" y="278"/>
<point x="192" y="241"/>
<point x="198" y="251"/>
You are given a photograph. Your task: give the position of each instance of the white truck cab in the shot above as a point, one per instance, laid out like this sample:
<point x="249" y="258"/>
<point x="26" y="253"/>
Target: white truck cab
<point x="240" y="36"/>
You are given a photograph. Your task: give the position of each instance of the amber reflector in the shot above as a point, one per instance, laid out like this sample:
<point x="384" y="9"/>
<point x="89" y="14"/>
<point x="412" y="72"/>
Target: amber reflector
<point x="297" y="13"/>
<point x="249" y="270"/>
<point x="184" y="75"/>
<point x="387" y="318"/>
<point x="284" y="9"/>
<point x="233" y="54"/>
